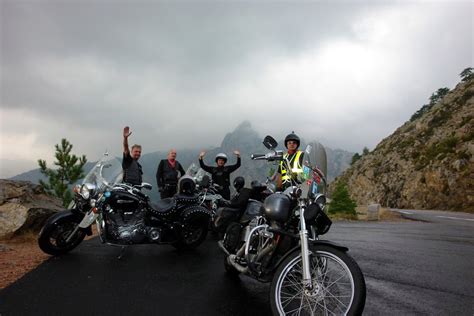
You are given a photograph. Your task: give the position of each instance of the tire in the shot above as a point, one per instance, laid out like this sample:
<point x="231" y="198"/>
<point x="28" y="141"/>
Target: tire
<point x="338" y="285"/>
<point x="52" y="238"/>
<point x="194" y="232"/>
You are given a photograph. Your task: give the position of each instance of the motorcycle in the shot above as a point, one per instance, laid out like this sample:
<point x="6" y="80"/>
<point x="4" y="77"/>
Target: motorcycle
<point x="280" y="244"/>
<point x="124" y="215"/>
<point x="208" y="192"/>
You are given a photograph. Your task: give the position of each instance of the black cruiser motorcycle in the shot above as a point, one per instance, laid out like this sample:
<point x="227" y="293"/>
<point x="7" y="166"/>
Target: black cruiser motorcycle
<point x="124" y="215"/>
<point x="279" y="243"/>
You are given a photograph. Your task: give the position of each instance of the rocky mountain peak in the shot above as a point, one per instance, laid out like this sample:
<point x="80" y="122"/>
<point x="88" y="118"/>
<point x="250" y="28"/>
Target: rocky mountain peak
<point x="244" y="136"/>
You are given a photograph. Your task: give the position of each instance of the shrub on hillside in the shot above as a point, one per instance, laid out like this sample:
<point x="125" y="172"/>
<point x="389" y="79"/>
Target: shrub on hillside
<point x="341" y="201"/>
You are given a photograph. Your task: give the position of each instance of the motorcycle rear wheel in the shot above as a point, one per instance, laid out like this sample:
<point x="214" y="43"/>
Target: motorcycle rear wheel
<point x="338" y="285"/>
<point x="194" y="231"/>
<point x="53" y="237"/>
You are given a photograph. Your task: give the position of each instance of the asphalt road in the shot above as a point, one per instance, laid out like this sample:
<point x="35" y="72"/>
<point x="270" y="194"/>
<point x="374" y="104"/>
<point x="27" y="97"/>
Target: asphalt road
<point x="412" y="268"/>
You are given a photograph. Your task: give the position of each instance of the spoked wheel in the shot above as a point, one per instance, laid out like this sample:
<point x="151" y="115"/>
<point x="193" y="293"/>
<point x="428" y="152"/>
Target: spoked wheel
<point x="338" y="286"/>
<point x="53" y="238"/>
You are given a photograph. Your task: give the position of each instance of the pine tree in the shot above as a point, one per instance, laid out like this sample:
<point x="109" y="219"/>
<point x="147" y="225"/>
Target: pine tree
<point x="356" y="157"/>
<point x="467" y="74"/>
<point x="68" y="172"/>
<point x="341" y="201"/>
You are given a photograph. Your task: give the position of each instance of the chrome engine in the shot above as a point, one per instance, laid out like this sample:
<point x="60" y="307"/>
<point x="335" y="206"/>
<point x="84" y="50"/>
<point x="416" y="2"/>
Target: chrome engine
<point x="128" y="227"/>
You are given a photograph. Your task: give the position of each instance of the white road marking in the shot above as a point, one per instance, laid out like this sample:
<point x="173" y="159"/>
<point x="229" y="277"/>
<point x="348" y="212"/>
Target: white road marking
<point x="463" y="219"/>
<point x="405" y="212"/>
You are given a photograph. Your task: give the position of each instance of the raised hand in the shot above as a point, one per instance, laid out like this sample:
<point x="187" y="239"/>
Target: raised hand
<point x="236" y="152"/>
<point x="201" y="155"/>
<point x="126" y="132"/>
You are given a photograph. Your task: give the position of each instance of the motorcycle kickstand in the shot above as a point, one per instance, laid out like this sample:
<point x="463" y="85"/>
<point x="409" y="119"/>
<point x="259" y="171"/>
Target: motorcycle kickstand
<point x="122" y="252"/>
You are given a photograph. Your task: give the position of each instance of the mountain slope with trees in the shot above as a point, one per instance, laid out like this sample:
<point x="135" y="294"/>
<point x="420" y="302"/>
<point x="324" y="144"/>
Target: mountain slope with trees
<point x="428" y="163"/>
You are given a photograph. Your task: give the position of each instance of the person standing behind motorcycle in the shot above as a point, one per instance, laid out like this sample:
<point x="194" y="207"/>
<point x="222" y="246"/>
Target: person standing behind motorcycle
<point x="221" y="173"/>
<point x="167" y="175"/>
<point x="132" y="170"/>
<point x="295" y="158"/>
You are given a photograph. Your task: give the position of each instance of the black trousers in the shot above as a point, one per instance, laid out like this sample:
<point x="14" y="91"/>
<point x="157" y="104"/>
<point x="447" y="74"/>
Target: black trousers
<point x="225" y="192"/>
<point x="168" y="191"/>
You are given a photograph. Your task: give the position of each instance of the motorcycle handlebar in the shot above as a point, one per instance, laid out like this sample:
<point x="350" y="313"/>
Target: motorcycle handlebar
<point x="257" y="156"/>
<point x="276" y="155"/>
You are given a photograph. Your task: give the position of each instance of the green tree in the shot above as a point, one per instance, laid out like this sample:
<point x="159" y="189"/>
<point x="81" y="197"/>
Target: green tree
<point x="355" y="158"/>
<point x="341" y="201"/>
<point x="435" y="98"/>
<point x="438" y="95"/>
<point x="69" y="170"/>
<point x="365" y="151"/>
<point x="467" y="74"/>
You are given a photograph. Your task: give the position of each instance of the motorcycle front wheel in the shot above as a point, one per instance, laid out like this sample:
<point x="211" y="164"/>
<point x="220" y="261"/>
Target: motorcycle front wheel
<point x="338" y="285"/>
<point x="53" y="237"/>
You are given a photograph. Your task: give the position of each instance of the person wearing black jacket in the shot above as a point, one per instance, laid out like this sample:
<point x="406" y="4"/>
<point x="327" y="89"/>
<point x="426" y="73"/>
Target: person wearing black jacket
<point x="167" y="175"/>
<point x="132" y="170"/>
<point x="232" y="210"/>
<point x="221" y="173"/>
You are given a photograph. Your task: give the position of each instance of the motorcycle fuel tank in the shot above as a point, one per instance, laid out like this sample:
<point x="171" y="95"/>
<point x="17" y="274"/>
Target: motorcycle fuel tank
<point x="123" y="200"/>
<point x="277" y="207"/>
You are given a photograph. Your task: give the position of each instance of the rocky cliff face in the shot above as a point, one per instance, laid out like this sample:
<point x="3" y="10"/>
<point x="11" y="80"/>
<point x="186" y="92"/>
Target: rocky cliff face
<point x="427" y="163"/>
<point x="24" y="206"/>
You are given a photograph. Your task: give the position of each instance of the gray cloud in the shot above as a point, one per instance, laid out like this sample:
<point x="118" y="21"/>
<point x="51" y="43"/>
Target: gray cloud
<point x="183" y="74"/>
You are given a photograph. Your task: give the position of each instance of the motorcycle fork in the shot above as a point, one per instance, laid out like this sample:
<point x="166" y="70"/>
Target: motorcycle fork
<point x="305" y="252"/>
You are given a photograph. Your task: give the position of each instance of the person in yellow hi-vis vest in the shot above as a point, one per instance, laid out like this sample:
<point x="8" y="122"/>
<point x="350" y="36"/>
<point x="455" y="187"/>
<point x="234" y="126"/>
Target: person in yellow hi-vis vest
<point x="295" y="157"/>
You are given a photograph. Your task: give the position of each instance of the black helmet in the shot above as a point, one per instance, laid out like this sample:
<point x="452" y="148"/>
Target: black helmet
<point x="186" y="185"/>
<point x="221" y="156"/>
<point x="239" y="183"/>
<point x="294" y="137"/>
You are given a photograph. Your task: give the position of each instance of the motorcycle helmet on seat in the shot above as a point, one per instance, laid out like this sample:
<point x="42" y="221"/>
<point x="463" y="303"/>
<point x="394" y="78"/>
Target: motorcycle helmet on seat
<point x="239" y="183"/>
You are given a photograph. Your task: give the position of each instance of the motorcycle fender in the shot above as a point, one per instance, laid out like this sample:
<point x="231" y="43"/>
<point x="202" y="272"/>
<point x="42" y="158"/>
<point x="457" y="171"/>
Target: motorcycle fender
<point x="312" y="243"/>
<point x="70" y="214"/>
<point x="88" y="220"/>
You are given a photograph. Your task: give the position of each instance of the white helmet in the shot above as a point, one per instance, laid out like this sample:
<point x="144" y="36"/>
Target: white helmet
<point x="221" y="156"/>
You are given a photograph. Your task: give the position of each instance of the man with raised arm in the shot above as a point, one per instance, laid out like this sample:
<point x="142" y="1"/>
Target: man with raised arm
<point x="132" y="170"/>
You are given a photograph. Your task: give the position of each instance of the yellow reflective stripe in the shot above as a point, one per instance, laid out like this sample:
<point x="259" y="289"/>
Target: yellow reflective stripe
<point x="296" y="163"/>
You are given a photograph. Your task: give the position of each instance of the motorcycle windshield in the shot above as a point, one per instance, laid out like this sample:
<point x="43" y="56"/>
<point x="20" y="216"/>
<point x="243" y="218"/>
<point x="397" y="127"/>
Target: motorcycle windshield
<point x="106" y="172"/>
<point x="312" y="177"/>
<point x="196" y="172"/>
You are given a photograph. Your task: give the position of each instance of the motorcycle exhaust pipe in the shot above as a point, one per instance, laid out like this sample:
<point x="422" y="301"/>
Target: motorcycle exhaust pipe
<point x="238" y="267"/>
<point x="231" y="259"/>
<point x="221" y="245"/>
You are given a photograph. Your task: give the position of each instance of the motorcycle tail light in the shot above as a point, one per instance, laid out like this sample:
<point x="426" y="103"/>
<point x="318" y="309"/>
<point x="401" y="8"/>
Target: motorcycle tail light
<point x="95" y="210"/>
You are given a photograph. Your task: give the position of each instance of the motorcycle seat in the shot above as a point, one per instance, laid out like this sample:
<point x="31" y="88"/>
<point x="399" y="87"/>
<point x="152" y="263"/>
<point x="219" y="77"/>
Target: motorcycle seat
<point x="186" y="198"/>
<point x="162" y="207"/>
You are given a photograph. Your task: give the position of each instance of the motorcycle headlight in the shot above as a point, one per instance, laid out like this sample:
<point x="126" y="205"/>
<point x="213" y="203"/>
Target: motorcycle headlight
<point x="85" y="192"/>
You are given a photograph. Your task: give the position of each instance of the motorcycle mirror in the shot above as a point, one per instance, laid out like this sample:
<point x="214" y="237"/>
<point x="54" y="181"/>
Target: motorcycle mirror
<point x="270" y="142"/>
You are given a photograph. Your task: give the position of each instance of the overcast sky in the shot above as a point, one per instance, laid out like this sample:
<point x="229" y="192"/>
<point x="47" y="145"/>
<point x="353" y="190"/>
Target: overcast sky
<point x="183" y="74"/>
